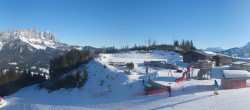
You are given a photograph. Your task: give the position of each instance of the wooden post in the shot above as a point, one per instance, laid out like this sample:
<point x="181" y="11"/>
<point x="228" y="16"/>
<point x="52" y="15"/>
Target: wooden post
<point x="183" y="88"/>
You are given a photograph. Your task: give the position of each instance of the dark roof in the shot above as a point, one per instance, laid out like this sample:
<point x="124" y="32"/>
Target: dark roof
<point x="199" y="52"/>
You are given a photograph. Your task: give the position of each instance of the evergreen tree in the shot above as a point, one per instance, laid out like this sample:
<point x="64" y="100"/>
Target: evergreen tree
<point x="135" y="47"/>
<point x="78" y="78"/>
<point x="29" y="75"/>
<point x="84" y="77"/>
<point x="176" y="43"/>
<point x="149" y="42"/>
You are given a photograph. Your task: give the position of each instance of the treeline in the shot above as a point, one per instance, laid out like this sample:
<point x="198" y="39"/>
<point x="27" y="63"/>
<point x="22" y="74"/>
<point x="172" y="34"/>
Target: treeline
<point x="178" y="46"/>
<point x="68" y="62"/>
<point x="186" y="45"/>
<point x="13" y="80"/>
<point x="67" y="71"/>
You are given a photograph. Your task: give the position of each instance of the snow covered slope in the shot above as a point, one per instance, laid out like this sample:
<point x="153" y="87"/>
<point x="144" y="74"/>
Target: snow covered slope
<point x="109" y="88"/>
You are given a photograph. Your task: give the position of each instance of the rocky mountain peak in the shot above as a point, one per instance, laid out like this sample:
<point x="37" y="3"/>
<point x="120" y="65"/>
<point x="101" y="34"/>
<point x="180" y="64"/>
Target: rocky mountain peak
<point x="37" y="40"/>
<point x="246" y="48"/>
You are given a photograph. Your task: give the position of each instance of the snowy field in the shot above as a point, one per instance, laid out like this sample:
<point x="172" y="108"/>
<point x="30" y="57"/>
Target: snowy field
<point x="109" y="88"/>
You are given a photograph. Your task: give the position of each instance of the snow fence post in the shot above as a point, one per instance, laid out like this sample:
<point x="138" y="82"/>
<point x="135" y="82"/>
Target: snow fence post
<point x="182" y="88"/>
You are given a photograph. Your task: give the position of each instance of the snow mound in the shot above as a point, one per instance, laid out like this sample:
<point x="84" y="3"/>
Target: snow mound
<point x="2" y="103"/>
<point x="13" y="63"/>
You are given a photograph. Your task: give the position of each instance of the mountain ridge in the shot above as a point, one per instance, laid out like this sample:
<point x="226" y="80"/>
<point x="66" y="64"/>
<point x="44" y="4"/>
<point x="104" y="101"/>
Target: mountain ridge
<point x="29" y="48"/>
<point x="214" y="49"/>
<point x="243" y="51"/>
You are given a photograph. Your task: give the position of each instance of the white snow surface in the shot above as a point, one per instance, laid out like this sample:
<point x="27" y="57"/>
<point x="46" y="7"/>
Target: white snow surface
<point x="12" y="63"/>
<point x="44" y="70"/>
<point x="210" y="52"/>
<point x="33" y="67"/>
<point x="236" y="74"/>
<point x="126" y="91"/>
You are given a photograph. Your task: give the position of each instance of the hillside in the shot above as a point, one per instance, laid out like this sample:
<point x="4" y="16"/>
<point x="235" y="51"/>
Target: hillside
<point x="109" y="88"/>
<point x="31" y="49"/>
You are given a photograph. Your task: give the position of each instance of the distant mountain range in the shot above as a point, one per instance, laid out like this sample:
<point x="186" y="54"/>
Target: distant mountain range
<point x="28" y="48"/>
<point x="240" y="51"/>
<point x="214" y="49"/>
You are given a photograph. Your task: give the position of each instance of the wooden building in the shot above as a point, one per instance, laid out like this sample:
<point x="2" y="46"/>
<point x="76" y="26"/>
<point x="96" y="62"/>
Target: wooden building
<point x="233" y="79"/>
<point x="161" y="64"/>
<point x="221" y="60"/>
<point x="194" y="56"/>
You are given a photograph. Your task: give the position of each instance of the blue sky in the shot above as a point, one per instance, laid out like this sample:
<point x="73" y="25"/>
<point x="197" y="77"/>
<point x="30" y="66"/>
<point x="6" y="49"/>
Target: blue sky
<point x="209" y="23"/>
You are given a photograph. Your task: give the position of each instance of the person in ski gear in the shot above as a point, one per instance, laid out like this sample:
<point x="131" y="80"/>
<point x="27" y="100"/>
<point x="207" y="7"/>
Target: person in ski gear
<point x="169" y="90"/>
<point x="147" y="70"/>
<point x="143" y="82"/>
<point x="149" y="79"/>
<point x="216" y="87"/>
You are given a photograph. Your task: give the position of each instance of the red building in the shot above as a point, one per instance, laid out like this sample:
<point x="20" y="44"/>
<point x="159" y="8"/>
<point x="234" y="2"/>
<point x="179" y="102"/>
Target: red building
<point x="233" y="79"/>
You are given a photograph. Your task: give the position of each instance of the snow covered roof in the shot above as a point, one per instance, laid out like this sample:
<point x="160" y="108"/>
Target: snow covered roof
<point x="202" y="52"/>
<point x="246" y="64"/>
<point x="238" y="62"/>
<point x="210" y="53"/>
<point x="198" y="52"/>
<point x="236" y="74"/>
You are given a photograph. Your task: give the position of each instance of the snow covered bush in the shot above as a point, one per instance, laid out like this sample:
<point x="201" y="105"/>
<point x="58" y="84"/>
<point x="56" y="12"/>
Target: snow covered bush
<point x="102" y="82"/>
<point x="127" y="72"/>
<point x="130" y="65"/>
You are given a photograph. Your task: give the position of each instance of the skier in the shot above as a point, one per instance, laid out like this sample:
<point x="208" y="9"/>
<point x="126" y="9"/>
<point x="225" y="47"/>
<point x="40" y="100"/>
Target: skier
<point x="149" y="79"/>
<point x="143" y="82"/>
<point x="147" y="70"/>
<point x="169" y="90"/>
<point x="216" y="87"/>
<point x="109" y="88"/>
